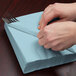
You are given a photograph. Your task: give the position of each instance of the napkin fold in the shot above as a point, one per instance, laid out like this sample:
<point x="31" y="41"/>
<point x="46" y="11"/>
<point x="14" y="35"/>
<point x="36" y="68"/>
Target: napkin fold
<point x="30" y="54"/>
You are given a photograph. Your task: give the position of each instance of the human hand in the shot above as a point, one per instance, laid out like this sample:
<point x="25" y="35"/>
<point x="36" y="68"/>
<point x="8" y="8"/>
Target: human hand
<point x="58" y="36"/>
<point x="65" y="11"/>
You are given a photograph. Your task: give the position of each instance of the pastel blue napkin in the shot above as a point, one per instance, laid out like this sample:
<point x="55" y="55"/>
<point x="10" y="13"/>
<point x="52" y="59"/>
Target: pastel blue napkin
<point x="30" y="54"/>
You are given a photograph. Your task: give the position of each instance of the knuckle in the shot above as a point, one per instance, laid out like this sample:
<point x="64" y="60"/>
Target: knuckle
<point x="55" y="8"/>
<point x="45" y="10"/>
<point x="55" y="4"/>
<point x="48" y="39"/>
<point x="53" y="44"/>
<point x="46" y="30"/>
<point x="56" y="49"/>
<point x="47" y="7"/>
<point x="45" y="46"/>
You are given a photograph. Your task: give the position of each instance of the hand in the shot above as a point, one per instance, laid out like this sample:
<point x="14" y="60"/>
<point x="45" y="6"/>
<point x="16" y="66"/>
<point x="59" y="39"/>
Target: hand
<point x="66" y="12"/>
<point x="58" y="36"/>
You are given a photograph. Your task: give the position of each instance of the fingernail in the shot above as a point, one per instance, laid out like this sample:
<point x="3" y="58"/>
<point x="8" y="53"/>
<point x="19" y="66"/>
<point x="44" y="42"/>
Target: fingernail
<point x="39" y="27"/>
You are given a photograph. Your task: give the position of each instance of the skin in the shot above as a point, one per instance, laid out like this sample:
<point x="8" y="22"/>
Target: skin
<point x="58" y="35"/>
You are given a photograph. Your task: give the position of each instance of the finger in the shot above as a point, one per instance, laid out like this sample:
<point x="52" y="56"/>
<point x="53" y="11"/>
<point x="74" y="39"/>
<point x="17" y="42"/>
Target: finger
<point x="40" y="34"/>
<point x="40" y="24"/>
<point x="57" y="48"/>
<point x="51" y="44"/>
<point x="47" y="46"/>
<point x="62" y="46"/>
<point x="42" y="20"/>
<point x="47" y="18"/>
<point x="42" y="41"/>
<point x="47" y="9"/>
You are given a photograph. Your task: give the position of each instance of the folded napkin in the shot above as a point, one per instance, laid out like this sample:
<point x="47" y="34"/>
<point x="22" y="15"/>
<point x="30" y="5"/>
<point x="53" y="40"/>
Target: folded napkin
<point x="30" y="54"/>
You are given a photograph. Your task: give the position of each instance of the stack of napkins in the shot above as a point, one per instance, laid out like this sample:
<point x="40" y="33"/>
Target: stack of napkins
<point x="32" y="56"/>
